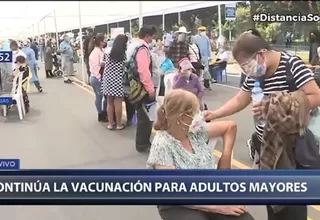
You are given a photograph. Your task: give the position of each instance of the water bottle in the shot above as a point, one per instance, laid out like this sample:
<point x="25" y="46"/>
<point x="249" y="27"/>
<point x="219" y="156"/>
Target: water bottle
<point x="257" y="96"/>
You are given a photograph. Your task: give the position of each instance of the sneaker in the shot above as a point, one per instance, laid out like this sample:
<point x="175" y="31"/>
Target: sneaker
<point x="251" y="150"/>
<point x="67" y="81"/>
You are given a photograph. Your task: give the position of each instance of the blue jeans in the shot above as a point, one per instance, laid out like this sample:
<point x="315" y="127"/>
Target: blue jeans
<point x="100" y="102"/>
<point x="216" y="73"/>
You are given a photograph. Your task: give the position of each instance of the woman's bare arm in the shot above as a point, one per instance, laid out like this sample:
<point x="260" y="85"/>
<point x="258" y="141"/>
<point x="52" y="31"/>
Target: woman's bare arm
<point x="225" y="129"/>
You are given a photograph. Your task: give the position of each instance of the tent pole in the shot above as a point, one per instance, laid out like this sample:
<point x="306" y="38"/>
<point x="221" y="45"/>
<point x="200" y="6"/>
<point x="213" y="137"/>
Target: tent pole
<point x="219" y="20"/>
<point x="38" y="25"/>
<point x="163" y="22"/>
<point x="140" y="15"/>
<point x="44" y="30"/>
<point x="33" y="33"/>
<point x="179" y="18"/>
<point x="130" y="27"/>
<point x="56" y="27"/>
<point x="84" y="76"/>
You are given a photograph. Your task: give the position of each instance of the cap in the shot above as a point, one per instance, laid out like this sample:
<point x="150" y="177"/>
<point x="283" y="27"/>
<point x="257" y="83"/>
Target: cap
<point x="185" y="64"/>
<point x="202" y="28"/>
<point x="256" y="84"/>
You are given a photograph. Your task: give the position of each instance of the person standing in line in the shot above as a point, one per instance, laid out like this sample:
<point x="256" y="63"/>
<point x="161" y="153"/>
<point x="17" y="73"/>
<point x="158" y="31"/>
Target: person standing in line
<point x="144" y="68"/>
<point x="33" y="64"/>
<point x="86" y="52"/>
<point x="112" y="81"/>
<point x="95" y="63"/>
<point x="48" y="60"/>
<point x="66" y="59"/>
<point x="42" y="47"/>
<point x="179" y="48"/>
<point x="204" y="45"/>
<point x="34" y="47"/>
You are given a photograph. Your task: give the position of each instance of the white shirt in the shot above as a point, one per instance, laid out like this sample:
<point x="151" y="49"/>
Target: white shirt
<point x="223" y="56"/>
<point x="193" y="53"/>
<point x="107" y="50"/>
<point x="15" y="54"/>
<point x="169" y="39"/>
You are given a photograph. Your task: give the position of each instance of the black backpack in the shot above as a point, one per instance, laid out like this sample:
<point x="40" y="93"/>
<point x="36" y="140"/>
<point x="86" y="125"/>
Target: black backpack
<point x="307" y="150"/>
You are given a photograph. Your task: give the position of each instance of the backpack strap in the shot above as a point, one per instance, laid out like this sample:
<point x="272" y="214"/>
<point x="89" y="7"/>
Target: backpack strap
<point x="200" y="57"/>
<point x="134" y="55"/>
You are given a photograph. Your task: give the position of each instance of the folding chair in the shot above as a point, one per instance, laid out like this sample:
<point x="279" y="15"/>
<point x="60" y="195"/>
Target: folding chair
<point x="16" y="94"/>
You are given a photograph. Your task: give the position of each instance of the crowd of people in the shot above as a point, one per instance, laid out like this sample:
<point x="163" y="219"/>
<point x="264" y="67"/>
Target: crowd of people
<point x="173" y="73"/>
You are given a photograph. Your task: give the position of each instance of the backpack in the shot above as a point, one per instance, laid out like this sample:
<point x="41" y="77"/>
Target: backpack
<point x="133" y="87"/>
<point x="307" y="152"/>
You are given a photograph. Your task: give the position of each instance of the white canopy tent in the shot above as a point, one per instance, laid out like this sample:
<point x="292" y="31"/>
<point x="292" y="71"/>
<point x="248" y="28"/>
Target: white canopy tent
<point x="16" y="16"/>
<point x="98" y="13"/>
<point x="38" y="18"/>
<point x="73" y="15"/>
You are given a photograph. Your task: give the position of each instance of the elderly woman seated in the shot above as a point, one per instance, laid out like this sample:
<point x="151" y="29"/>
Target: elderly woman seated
<point x="181" y="143"/>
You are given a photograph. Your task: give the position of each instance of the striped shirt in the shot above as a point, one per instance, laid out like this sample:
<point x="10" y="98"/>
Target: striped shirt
<point x="278" y="81"/>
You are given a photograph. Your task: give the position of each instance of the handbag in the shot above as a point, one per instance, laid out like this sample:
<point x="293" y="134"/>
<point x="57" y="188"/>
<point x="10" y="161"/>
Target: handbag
<point x="197" y="65"/>
<point x="314" y="123"/>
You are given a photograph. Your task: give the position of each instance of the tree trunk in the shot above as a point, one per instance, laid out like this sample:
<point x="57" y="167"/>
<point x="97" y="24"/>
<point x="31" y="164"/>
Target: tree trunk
<point x="253" y="10"/>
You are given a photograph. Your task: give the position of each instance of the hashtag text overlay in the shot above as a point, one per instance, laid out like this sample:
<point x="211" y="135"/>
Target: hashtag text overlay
<point x="267" y="17"/>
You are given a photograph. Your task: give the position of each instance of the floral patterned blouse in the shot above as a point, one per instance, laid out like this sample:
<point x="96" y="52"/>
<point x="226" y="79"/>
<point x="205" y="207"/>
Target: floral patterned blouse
<point x="168" y="151"/>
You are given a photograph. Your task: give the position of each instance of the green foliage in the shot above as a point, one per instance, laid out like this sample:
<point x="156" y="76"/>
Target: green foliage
<point x="272" y="31"/>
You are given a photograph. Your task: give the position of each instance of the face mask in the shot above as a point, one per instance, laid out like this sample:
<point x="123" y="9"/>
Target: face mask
<point x="196" y="124"/>
<point x="181" y="37"/>
<point x="254" y="69"/>
<point x="22" y="68"/>
<point x="203" y="33"/>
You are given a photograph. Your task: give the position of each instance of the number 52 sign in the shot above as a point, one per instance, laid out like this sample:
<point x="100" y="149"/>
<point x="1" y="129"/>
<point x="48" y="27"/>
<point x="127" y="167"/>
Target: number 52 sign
<point x="5" y="56"/>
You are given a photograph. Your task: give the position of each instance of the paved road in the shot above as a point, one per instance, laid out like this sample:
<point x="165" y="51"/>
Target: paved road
<point x="61" y="132"/>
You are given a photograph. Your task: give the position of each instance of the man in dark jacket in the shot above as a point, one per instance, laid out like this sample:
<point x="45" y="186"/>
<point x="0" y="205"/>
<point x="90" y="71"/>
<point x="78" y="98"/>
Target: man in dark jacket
<point x="86" y="51"/>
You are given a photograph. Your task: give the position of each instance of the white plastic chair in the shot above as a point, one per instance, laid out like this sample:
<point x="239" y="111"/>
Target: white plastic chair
<point x="16" y="94"/>
<point x="168" y="82"/>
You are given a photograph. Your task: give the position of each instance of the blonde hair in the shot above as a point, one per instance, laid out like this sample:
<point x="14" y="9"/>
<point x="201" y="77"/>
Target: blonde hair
<point x="176" y="103"/>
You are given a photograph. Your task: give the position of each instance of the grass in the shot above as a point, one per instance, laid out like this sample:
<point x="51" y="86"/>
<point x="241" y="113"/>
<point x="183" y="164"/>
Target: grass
<point x="303" y="55"/>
